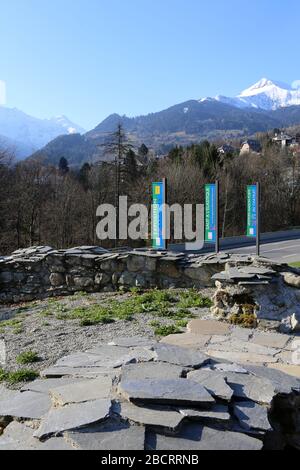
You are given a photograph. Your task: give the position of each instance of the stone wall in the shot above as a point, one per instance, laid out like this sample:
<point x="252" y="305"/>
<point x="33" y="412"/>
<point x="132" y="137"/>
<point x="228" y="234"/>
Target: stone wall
<point x="39" y="272"/>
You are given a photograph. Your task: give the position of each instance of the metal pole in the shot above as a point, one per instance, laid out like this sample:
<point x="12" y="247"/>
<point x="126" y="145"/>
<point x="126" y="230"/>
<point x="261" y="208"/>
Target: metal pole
<point x="217" y="217"/>
<point x="165" y="183"/>
<point x="258" y="219"/>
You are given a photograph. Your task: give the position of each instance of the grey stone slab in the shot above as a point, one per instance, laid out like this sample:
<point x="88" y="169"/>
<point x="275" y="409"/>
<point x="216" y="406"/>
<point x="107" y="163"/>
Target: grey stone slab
<point x="194" y="436"/>
<point x="218" y="413"/>
<point x="282" y="382"/>
<point x="82" y="391"/>
<point x="151" y="415"/>
<point x="175" y="392"/>
<point x="270" y="340"/>
<point x="252" y="416"/>
<point x="179" y="356"/>
<point x="253" y="388"/>
<point x="29" y="405"/>
<point x="224" y="367"/>
<point x="6" y="394"/>
<point x="242" y="357"/>
<point x="151" y="370"/>
<point x="73" y="416"/>
<point x="236" y="345"/>
<point x="134" y="355"/>
<point x="241" y="334"/>
<point x="81" y="359"/>
<point x="108" y="436"/>
<point x="82" y="372"/>
<point x="115" y="356"/>
<point x="213" y="381"/>
<point x="132" y="341"/>
<point x="44" y="385"/>
<point x="18" y="436"/>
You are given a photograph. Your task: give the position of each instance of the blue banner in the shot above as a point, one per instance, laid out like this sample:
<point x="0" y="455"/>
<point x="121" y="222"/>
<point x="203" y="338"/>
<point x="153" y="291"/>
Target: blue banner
<point x="252" y="211"/>
<point x="210" y="213"/>
<point x="158" y="216"/>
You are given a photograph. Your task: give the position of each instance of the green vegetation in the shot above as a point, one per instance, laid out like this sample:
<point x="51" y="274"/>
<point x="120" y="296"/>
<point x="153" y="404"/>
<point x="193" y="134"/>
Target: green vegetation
<point x="246" y="320"/>
<point x="166" y="330"/>
<point x="27" y="357"/>
<point x="19" y="376"/>
<point x="296" y="264"/>
<point x="168" y="304"/>
<point x="181" y="323"/>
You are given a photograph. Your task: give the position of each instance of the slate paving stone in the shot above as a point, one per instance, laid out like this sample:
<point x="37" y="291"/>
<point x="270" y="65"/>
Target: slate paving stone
<point x="216" y="339"/>
<point x="80" y="360"/>
<point x="218" y="413"/>
<point x="73" y="416"/>
<point x="242" y="357"/>
<point x="151" y="370"/>
<point x="18" y="436"/>
<point x="282" y="383"/>
<point x="230" y="368"/>
<point x="116" y="356"/>
<point x="287" y="369"/>
<point x="79" y="372"/>
<point x="213" y="381"/>
<point x="187" y="340"/>
<point x="252" y="416"/>
<point x="30" y="405"/>
<point x="179" y="356"/>
<point x="151" y="415"/>
<point x="175" y="392"/>
<point x="108" y="436"/>
<point x="242" y="334"/>
<point x="132" y="341"/>
<point x="82" y="391"/>
<point x="246" y="346"/>
<point x="208" y="327"/>
<point x="44" y="385"/>
<point x="258" y="389"/>
<point x="6" y="394"/>
<point x="195" y="436"/>
<point x="270" y="340"/>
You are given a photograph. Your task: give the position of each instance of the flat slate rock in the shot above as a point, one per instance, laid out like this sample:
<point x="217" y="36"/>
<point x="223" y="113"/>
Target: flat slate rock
<point x="187" y="340"/>
<point x="175" y="392"/>
<point x="116" y="356"/>
<point x="80" y="392"/>
<point x="208" y="327"/>
<point x="151" y="370"/>
<point x="226" y="367"/>
<point x="151" y="415"/>
<point x="218" y="413"/>
<point x="18" y="436"/>
<point x="282" y="382"/>
<point x="288" y="369"/>
<point x="252" y="416"/>
<point x="44" y="385"/>
<point x="73" y="416"/>
<point x="132" y="341"/>
<point x="270" y="340"/>
<point x="198" y="437"/>
<point x="108" y="436"/>
<point x="242" y="357"/>
<point x="6" y="393"/>
<point x="245" y="346"/>
<point x="29" y="405"/>
<point x="213" y="381"/>
<point x="78" y="372"/>
<point x="258" y="389"/>
<point x="179" y="356"/>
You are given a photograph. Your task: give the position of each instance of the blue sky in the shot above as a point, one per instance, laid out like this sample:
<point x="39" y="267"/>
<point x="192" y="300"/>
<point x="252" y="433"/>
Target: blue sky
<point x="89" y="58"/>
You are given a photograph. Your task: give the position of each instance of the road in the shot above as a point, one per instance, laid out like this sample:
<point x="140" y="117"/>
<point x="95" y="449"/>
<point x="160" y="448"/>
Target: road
<point x="279" y="246"/>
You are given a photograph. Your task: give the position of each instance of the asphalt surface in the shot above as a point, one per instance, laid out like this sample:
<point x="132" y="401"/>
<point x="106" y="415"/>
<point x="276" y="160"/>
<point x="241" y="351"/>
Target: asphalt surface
<point x="284" y="251"/>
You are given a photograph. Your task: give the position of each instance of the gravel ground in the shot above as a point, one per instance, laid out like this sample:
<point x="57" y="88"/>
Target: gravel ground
<point x="52" y="338"/>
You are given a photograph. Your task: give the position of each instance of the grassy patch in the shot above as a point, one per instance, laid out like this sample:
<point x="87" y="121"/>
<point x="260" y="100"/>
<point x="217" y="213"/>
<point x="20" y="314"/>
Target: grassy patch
<point x="27" y="357"/>
<point x="295" y="265"/>
<point x="22" y="375"/>
<point x="166" y="330"/>
<point x="181" y="323"/>
<point x="192" y="299"/>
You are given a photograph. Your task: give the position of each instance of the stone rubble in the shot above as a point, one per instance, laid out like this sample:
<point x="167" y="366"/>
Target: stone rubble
<point x="177" y="399"/>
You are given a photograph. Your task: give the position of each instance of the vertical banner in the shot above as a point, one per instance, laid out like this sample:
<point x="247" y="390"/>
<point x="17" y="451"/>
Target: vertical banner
<point x="211" y="213"/>
<point x="252" y="215"/>
<point x="158" y="216"/>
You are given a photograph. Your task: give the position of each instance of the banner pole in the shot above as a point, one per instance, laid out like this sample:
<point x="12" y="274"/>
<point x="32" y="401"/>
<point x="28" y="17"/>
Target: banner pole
<point x="165" y="184"/>
<point x="258" y="219"/>
<point x="217" y="217"/>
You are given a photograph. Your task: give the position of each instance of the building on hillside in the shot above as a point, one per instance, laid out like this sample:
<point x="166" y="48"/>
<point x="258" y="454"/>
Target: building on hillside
<point x="284" y="140"/>
<point x="226" y="149"/>
<point x="250" y="146"/>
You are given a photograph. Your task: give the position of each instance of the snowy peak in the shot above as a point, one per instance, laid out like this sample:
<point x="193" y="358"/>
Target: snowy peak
<point x="265" y="94"/>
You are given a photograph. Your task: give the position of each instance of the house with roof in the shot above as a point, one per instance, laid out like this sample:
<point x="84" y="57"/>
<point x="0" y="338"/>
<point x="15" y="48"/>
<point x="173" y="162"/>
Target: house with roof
<point x="250" y="146"/>
<point x="226" y="149"/>
<point x="284" y="140"/>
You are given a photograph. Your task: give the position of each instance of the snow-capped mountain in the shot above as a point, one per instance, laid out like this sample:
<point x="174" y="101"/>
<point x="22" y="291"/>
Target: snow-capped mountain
<point x="265" y="94"/>
<point x="29" y="133"/>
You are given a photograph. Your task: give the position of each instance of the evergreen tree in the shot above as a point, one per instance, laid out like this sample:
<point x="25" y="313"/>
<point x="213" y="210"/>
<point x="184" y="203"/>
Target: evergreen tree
<point x="63" y="165"/>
